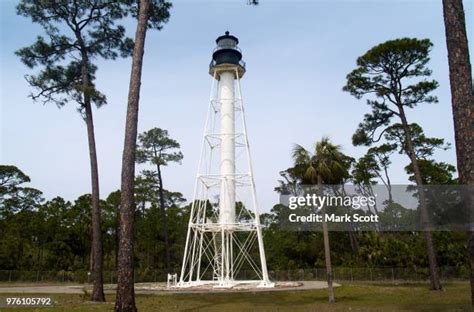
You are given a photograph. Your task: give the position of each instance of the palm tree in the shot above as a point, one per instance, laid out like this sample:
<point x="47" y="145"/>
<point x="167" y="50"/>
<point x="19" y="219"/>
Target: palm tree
<point x="326" y="165"/>
<point x="462" y="100"/>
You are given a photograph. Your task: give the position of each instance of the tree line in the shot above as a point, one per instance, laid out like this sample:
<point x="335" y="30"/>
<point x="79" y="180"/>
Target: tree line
<point x="39" y="234"/>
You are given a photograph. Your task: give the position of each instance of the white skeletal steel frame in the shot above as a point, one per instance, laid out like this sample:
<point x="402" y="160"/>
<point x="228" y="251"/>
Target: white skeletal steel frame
<point x="218" y="249"/>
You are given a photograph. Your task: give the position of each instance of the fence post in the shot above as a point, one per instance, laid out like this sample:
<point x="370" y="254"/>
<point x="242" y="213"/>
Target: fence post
<point x="393" y="277"/>
<point x="370" y="273"/>
<point x="10" y="276"/>
<point x="352" y="278"/>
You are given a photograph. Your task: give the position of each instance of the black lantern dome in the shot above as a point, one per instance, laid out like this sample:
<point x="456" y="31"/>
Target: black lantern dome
<point x="227" y="53"/>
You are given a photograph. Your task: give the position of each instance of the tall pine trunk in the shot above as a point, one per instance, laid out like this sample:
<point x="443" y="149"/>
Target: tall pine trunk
<point x="462" y="103"/>
<point x="97" y="249"/>
<point x="327" y="250"/>
<point x="424" y="216"/>
<point x="125" y="300"/>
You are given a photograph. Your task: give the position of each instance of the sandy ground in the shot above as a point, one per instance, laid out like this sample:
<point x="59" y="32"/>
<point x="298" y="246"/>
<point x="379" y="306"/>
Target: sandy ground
<point x="159" y="288"/>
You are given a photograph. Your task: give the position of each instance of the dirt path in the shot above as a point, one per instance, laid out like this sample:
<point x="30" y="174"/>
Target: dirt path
<point x="157" y="288"/>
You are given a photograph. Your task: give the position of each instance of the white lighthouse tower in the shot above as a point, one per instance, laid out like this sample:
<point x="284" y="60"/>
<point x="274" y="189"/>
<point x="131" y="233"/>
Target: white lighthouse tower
<point x="224" y="244"/>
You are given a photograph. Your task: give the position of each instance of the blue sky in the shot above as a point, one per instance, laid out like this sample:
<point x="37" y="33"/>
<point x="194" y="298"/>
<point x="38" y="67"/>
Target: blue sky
<point x="297" y="53"/>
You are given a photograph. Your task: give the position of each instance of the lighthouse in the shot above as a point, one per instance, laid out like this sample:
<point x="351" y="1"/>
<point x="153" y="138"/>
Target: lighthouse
<point x="224" y="243"/>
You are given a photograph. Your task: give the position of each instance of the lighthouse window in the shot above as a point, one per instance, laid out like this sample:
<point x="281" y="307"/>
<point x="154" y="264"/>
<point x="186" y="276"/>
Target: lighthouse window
<point x="227" y="43"/>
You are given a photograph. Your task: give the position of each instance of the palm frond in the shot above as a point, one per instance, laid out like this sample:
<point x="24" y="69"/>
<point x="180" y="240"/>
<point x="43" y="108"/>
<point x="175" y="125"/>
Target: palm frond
<point x="300" y="155"/>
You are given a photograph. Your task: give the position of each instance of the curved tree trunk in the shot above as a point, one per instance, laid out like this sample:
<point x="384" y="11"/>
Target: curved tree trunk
<point x="462" y="103"/>
<point x="125" y="300"/>
<point x="425" y="224"/>
<point x="97" y="250"/>
<point x="327" y="250"/>
<point x="388" y="185"/>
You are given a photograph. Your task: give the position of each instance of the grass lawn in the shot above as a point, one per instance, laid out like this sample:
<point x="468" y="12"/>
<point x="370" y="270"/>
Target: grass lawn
<point x="349" y="297"/>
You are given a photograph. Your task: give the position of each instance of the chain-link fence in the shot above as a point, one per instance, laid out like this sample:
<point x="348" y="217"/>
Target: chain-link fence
<point x="339" y="273"/>
<point x="369" y="274"/>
